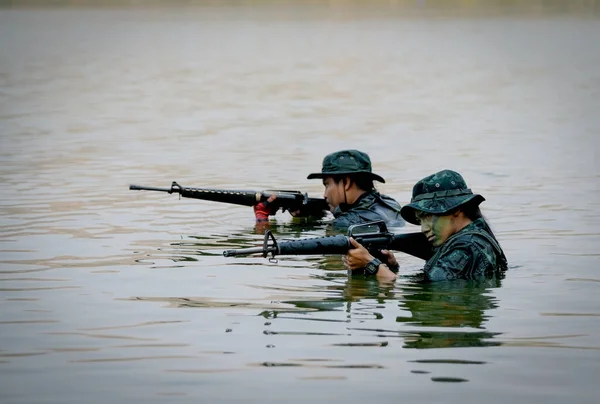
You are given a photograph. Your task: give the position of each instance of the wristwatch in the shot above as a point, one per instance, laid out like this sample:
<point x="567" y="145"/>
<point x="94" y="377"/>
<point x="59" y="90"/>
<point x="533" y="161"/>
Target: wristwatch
<point x="372" y="267"/>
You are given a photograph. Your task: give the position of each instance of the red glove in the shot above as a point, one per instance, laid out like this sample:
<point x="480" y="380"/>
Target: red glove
<point x="264" y="209"/>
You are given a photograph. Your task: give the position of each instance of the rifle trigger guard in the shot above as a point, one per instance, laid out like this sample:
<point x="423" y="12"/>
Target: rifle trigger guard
<point x="269" y="234"/>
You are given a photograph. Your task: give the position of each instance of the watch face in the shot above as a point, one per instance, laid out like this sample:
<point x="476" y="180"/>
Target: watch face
<point x="372" y="267"/>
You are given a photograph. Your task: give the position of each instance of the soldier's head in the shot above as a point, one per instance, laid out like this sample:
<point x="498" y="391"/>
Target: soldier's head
<point x="346" y="174"/>
<point x="442" y="204"/>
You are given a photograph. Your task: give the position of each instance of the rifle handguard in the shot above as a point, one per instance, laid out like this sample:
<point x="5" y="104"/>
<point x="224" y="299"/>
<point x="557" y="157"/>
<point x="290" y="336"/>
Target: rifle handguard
<point x="415" y="244"/>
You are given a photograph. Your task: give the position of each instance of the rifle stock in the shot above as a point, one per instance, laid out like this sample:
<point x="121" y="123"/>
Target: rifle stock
<point x="414" y="244"/>
<point x="286" y="200"/>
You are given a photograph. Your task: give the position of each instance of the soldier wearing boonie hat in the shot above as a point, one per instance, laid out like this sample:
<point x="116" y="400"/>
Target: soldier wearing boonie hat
<point x="348" y="180"/>
<point x="438" y="194"/>
<point x="346" y="162"/>
<point x="464" y="246"/>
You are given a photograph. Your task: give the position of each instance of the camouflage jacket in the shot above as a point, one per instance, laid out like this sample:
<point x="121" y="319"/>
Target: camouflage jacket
<point x="471" y="253"/>
<point x="369" y="207"/>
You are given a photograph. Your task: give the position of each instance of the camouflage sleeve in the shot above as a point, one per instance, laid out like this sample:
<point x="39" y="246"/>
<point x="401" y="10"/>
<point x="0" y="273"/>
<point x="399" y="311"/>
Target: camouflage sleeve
<point x="455" y="264"/>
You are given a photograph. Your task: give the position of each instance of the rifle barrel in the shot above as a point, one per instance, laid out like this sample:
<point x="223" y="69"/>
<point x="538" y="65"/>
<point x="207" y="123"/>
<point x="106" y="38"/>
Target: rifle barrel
<point x="142" y="188"/>
<point x="243" y="251"/>
<point x="286" y="200"/>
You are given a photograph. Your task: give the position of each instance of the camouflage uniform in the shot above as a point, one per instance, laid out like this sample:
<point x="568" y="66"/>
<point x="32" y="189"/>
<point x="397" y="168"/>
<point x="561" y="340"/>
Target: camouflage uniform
<point x="371" y="205"/>
<point x="471" y="253"/>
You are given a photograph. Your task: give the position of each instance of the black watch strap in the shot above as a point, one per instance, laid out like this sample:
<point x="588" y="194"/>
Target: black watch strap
<point x="372" y="267"/>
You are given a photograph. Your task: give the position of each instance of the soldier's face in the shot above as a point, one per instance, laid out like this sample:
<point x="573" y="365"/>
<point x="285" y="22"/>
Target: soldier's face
<point x="436" y="228"/>
<point x="334" y="192"/>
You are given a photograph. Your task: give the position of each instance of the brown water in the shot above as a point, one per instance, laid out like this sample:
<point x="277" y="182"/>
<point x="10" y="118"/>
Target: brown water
<point x="110" y="295"/>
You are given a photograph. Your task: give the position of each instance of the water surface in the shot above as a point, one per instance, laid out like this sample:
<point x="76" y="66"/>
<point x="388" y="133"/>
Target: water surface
<point x="113" y="295"/>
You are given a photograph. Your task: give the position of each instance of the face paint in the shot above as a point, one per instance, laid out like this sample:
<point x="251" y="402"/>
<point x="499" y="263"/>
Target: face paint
<point x="437" y="228"/>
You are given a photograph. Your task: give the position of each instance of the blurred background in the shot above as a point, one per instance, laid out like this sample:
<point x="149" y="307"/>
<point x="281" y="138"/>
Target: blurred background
<point x="111" y="294"/>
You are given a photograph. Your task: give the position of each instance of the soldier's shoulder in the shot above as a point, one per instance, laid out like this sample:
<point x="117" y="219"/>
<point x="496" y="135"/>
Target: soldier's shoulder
<point x="463" y="241"/>
<point x="475" y="239"/>
<point x="347" y="219"/>
<point x="375" y="198"/>
<point x="387" y="198"/>
<point x="390" y="201"/>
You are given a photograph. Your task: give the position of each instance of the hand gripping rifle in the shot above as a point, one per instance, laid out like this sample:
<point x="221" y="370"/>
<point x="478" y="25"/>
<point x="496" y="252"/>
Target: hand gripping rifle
<point x="286" y="200"/>
<point x="374" y="236"/>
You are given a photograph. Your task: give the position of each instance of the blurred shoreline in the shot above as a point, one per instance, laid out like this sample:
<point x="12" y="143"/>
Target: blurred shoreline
<point x="348" y="8"/>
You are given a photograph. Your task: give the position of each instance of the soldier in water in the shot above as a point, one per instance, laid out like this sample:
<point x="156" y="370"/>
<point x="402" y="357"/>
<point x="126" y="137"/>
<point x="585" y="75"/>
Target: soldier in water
<point x="464" y="246"/>
<point x="350" y="193"/>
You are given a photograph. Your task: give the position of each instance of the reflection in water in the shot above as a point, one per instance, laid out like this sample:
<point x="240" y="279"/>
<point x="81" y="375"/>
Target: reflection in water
<point x="213" y="244"/>
<point x="459" y="307"/>
<point x="312" y="364"/>
<point x="432" y="315"/>
<point x="424" y="339"/>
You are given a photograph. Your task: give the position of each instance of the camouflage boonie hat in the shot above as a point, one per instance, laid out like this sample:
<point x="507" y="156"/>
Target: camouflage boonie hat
<point x="438" y="194"/>
<point x="346" y="162"/>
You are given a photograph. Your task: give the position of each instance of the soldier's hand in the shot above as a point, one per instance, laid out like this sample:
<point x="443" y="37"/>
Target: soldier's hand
<point x="390" y="260"/>
<point x="310" y="215"/>
<point x="262" y="210"/>
<point x="296" y="213"/>
<point x="357" y="257"/>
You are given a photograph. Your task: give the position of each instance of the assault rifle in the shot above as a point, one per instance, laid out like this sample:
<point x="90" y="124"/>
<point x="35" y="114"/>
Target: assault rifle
<point x="374" y="236"/>
<point x="286" y="200"/>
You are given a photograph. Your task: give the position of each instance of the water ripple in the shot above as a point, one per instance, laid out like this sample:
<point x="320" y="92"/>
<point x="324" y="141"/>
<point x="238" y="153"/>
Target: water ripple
<point x="131" y="359"/>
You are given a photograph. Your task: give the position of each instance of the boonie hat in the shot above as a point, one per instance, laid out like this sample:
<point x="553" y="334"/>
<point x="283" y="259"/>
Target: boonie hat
<point x="346" y="162"/>
<point x="438" y="194"/>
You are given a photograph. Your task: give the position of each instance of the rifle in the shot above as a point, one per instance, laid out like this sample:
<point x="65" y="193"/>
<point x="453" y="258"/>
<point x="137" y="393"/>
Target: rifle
<point x="286" y="200"/>
<point x="374" y="236"/>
